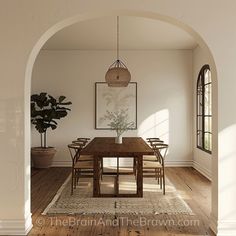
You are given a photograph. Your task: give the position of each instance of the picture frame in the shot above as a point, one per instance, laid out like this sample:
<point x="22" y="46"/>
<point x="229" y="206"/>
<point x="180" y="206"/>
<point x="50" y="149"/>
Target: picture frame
<point x="113" y="99"/>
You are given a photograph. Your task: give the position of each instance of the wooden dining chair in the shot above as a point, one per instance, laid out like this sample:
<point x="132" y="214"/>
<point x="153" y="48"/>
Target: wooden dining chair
<point x="153" y="142"/>
<point x="150" y="139"/>
<point x="82" y="165"/>
<point x="156" y="168"/>
<point x="84" y="142"/>
<point x="83" y="139"/>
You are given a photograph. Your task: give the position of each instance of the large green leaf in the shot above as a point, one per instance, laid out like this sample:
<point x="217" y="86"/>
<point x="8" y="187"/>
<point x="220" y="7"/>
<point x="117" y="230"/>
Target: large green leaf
<point x="63" y="108"/>
<point x="65" y="103"/>
<point x="61" y="99"/>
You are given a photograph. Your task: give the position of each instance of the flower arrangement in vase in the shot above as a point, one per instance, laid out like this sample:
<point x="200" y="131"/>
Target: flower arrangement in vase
<point x="119" y="121"/>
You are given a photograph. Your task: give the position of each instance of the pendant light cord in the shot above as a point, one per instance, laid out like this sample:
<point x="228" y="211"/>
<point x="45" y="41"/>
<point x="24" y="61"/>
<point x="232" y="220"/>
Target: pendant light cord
<point x="117" y="40"/>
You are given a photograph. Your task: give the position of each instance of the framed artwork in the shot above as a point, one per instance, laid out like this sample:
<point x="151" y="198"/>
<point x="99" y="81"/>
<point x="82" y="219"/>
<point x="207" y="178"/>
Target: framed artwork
<point x="114" y="99"/>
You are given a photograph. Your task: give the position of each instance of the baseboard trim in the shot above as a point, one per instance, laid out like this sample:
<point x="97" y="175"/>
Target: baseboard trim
<point x="204" y="171"/>
<point x="167" y="163"/>
<point x="16" y="227"/>
<point x="223" y="228"/>
<point x="61" y="164"/>
<point x="179" y="163"/>
<point x="188" y="163"/>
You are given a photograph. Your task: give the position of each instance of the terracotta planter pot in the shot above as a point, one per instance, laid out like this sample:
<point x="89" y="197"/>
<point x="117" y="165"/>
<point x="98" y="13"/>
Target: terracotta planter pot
<point x="42" y="157"/>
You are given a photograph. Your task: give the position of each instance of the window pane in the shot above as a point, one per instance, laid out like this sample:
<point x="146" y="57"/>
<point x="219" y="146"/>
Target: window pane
<point x="208" y="124"/>
<point x="199" y="139"/>
<point x="207" y="76"/>
<point x="208" y="141"/>
<point x="208" y="100"/>
<point x="199" y="101"/>
<point x="199" y="122"/>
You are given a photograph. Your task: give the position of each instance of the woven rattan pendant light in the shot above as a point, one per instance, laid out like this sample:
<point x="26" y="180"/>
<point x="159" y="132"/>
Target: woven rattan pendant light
<point x="118" y="74"/>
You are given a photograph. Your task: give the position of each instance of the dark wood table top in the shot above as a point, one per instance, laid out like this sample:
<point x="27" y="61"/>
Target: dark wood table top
<point x="106" y="147"/>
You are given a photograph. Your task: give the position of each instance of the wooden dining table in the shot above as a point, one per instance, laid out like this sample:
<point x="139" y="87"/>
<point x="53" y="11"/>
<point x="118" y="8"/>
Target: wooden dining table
<point x="101" y="147"/>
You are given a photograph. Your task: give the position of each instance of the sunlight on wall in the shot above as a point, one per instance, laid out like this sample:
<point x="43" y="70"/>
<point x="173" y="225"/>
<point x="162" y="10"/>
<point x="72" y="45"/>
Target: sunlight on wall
<point x="156" y="125"/>
<point x="229" y="147"/>
<point x="227" y="154"/>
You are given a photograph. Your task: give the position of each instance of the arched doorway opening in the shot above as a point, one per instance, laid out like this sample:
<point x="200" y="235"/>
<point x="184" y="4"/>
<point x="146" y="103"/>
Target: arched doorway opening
<point x="75" y="19"/>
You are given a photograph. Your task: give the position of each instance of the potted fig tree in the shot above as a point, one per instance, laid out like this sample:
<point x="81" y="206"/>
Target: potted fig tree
<point x="45" y="111"/>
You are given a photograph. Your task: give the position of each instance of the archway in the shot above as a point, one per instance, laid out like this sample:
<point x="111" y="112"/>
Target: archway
<point x="74" y="19"/>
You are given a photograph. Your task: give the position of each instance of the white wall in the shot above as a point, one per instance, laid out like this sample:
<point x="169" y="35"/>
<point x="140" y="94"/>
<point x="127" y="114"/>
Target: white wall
<point x="201" y="160"/>
<point x="37" y="21"/>
<point x="164" y="96"/>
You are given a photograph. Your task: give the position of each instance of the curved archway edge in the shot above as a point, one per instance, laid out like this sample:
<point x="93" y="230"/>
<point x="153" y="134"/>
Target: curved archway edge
<point x="93" y="15"/>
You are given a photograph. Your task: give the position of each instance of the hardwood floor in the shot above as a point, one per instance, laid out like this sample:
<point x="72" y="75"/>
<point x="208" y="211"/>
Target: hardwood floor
<point x="194" y="188"/>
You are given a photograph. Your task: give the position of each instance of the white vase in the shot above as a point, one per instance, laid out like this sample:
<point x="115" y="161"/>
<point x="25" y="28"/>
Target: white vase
<point x="118" y="139"/>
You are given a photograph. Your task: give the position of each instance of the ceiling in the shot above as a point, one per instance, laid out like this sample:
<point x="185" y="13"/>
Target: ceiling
<point x="136" y="33"/>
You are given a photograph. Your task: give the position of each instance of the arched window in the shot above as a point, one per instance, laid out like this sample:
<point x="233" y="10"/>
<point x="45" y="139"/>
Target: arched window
<point x="204" y="109"/>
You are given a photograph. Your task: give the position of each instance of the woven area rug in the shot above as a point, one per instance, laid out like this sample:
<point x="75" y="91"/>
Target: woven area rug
<point x="82" y="202"/>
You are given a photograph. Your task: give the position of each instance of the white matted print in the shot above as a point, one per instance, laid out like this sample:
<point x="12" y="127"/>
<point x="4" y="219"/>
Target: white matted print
<point x="114" y="99"/>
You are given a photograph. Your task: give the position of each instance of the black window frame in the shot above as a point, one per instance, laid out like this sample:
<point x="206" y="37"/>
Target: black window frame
<point x="200" y="96"/>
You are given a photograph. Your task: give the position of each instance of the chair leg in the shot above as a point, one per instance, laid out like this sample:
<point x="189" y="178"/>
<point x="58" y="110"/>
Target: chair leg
<point x="164" y="184"/>
<point x="99" y="179"/>
<point x="134" y="168"/>
<point x="164" y="190"/>
<point x="156" y="174"/>
<point x="101" y="172"/>
<point x="76" y="176"/>
<point x="72" y="180"/>
<point x="161" y="179"/>
<point x="102" y="165"/>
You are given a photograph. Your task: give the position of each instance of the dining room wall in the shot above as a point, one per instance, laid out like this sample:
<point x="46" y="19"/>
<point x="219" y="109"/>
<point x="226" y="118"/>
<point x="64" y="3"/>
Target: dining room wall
<point x="202" y="161"/>
<point x="164" y="100"/>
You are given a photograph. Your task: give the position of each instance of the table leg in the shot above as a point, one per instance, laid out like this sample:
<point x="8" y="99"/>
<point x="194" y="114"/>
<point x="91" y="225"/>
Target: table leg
<point x="96" y="185"/>
<point x="139" y="176"/>
<point x="117" y="178"/>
